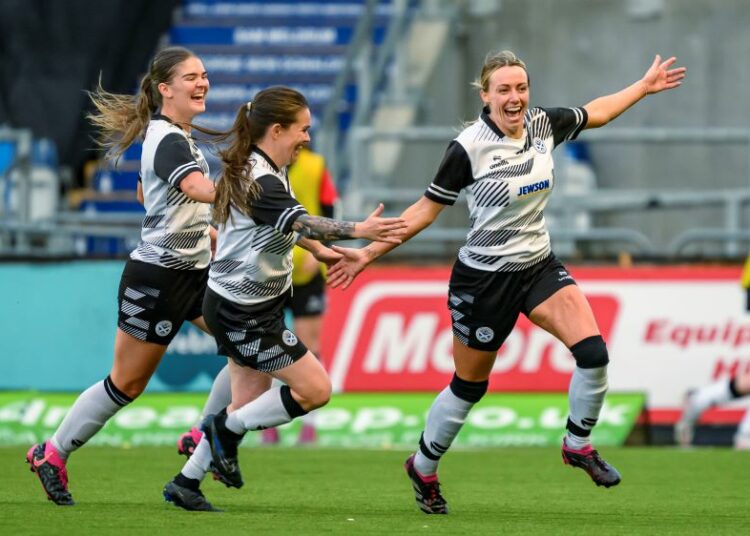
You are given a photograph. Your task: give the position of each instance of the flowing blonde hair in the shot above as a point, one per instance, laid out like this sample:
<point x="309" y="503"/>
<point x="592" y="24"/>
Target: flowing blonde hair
<point x="123" y="118"/>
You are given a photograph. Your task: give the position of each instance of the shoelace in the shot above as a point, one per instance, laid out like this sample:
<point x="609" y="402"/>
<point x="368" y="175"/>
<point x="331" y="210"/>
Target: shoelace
<point x="52" y="479"/>
<point x="433" y="490"/>
<point x="598" y="461"/>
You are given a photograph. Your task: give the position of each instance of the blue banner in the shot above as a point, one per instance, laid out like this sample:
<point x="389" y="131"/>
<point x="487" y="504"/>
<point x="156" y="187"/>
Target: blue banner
<point x="58" y="329"/>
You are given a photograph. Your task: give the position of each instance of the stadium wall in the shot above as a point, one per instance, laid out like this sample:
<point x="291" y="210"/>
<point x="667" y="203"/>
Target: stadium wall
<point x="668" y="329"/>
<point x="578" y="50"/>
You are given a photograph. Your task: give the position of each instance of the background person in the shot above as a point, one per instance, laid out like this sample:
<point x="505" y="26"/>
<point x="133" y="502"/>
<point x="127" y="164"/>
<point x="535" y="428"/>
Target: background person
<point x="718" y="393"/>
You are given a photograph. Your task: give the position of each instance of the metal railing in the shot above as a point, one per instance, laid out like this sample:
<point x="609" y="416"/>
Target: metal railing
<point x="367" y="67"/>
<point x="366" y="187"/>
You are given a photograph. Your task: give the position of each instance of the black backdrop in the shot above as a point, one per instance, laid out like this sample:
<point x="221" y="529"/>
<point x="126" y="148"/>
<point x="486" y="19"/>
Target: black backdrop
<point x="53" y="50"/>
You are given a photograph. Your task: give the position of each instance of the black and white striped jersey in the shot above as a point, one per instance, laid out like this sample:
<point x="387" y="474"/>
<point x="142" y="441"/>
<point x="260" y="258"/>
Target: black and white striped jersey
<point x="253" y="260"/>
<point x="507" y="183"/>
<point x="175" y="232"/>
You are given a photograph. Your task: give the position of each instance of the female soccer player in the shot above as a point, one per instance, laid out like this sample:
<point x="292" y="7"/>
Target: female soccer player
<point x="503" y="161"/>
<point x="259" y="223"/>
<point x="164" y="280"/>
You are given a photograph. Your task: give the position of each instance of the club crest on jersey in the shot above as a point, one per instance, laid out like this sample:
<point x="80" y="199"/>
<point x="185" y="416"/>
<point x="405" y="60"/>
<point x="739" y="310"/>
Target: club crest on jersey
<point x="540" y="146"/>
<point x="485" y="334"/>
<point x="289" y="338"/>
<point x="163" y="328"/>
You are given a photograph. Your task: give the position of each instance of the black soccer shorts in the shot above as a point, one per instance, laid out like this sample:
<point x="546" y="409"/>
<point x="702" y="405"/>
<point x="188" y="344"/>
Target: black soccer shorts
<point x="154" y="301"/>
<point x="484" y="305"/>
<point x="253" y="336"/>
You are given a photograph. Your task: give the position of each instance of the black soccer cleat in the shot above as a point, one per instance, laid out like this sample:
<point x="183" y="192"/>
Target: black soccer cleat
<point x="588" y="459"/>
<point x="187" y="498"/>
<point x="426" y="490"/>
<point x="44" y="460"/>
<point x="186" y="445"/>
<point x="223" y="451"/>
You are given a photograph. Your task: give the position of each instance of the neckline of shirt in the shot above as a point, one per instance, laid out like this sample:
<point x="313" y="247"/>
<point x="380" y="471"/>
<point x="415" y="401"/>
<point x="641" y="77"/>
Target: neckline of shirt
<point x="261" y="152"/>
<point x="485" y="117"/>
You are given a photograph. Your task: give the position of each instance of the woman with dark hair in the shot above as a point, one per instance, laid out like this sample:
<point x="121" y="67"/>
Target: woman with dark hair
<point x="259" y="223"/>
<point x="164" y="280"/>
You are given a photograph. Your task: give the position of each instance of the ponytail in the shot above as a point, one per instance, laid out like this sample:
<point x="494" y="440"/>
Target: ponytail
<point x="236" y="186"/>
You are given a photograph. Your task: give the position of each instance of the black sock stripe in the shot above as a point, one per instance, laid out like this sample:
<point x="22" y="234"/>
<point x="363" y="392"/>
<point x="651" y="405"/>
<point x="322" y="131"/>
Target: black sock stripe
<point x="577" y="430"/>
<point x="733" y="388"/>
<point x="291" y="406"/>
<point x="117" y="396"/>
<point x="423" y="448"/>
<point x="468" y="391"/>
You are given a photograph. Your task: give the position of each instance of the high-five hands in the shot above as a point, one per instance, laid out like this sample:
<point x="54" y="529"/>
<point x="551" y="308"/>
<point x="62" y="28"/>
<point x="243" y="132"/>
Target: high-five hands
<point x="381" y="229"/>
<point x="352" y="262"/>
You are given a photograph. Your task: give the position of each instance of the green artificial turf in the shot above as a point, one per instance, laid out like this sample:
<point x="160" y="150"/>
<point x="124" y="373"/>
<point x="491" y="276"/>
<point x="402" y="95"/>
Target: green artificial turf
<point x="322" y="491"/>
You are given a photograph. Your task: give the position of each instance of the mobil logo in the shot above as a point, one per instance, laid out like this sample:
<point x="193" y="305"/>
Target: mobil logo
<point x="392" y="332"/>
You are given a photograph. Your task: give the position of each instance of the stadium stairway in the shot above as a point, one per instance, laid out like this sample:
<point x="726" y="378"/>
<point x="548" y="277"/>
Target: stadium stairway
<point x="247" y="45"/>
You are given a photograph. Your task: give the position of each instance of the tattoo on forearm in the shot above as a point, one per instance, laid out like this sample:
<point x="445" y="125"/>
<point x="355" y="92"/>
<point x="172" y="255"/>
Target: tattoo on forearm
<point x="321" y="228"/>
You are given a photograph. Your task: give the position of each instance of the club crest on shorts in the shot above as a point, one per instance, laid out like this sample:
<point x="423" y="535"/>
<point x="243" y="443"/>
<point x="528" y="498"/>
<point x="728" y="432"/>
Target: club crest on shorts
<point x="163" y="328"/>
<point x="289" y="338"/>
<point x="485" y="334"/>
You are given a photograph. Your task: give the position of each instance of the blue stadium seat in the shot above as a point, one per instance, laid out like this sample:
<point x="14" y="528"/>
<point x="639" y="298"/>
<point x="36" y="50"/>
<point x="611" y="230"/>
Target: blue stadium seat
<point x="110" y="180"/>
<point x="7" y="155"/>
<point x="111" y="205"/>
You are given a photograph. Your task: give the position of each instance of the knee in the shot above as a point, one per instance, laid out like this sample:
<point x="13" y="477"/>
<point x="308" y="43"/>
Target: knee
<point x="132" y="388"/>
<point x="318" y="396"/>
<point x="469" y="391"/>
<point x="591" y="352"/>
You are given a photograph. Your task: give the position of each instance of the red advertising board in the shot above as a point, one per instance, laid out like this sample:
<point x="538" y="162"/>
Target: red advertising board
<point x="667" y="328"/>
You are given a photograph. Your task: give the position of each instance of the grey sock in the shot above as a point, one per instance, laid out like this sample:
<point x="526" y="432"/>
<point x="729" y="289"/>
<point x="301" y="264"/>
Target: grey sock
<point x="220" y="395"/>
<point x="91" y="410"/>
<point x="264" y="412"/>
<point x="585" y="397"/>
<point x="444" y="420"/>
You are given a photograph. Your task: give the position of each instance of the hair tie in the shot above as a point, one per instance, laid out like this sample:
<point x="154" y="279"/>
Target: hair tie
<point x="249" y="106"/>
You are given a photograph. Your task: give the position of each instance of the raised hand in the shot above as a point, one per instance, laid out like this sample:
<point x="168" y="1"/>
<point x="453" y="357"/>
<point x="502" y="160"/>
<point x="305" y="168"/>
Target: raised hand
<point x="660" y="77"/>
<point x="352" y="262"/>
<point x="381" y="229"/>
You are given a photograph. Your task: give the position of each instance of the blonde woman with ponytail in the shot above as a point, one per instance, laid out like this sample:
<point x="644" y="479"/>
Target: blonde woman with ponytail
<point x="251" y="276"/>
<point x="165" y="278"/>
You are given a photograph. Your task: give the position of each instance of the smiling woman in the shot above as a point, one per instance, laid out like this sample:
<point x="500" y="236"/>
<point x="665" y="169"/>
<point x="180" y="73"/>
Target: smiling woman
<point x="503" y="161"/>
<point x="165" y="278"/>
<point x="250" y="280"/>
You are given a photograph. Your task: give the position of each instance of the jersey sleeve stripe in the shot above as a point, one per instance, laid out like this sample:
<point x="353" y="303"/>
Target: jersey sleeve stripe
<point x="183" y="171"/>
<point x="581" y="118"/>
<point x="442" y="193"/>
<point x="292" y="212"/>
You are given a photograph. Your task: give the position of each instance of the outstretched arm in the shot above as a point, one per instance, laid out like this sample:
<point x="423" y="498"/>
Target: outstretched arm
<point x="417" y="217"/>
<point x="374" y="228"/>
<point x="659" y="77"/>
<point x="321" y="252"/>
